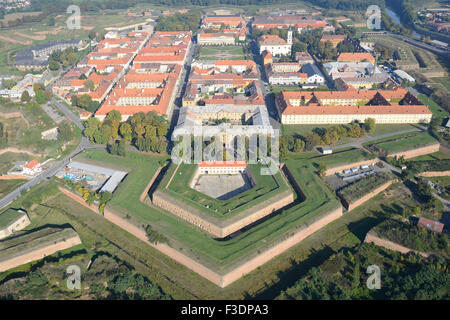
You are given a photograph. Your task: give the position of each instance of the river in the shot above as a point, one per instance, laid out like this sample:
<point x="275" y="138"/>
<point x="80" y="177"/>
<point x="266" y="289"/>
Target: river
<point x="396" y="19"/>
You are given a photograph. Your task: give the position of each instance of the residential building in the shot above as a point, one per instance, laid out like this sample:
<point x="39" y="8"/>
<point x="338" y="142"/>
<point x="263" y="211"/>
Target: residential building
<point x="274" y="44"/>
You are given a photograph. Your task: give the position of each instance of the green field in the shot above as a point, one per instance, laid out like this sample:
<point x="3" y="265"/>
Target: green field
<point x="343" y="156"/>
<point x="403" y="142"/>
<point x="266" y="187"/>
<point x="437" y="110"/>
<point x="221" y="53"/>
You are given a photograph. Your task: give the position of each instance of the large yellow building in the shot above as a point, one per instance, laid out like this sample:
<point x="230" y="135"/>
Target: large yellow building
<point x="333" y="107"/>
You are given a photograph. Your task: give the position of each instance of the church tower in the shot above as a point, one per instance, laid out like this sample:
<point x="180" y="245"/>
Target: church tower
<point x="289" y="36"/>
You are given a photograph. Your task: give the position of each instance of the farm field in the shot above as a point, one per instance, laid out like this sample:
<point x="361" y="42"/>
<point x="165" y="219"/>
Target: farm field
<point x="24" y="36"/>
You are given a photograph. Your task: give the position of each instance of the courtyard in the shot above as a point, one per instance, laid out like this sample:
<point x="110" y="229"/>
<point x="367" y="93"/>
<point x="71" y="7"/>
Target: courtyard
<point x="223" y="186"/>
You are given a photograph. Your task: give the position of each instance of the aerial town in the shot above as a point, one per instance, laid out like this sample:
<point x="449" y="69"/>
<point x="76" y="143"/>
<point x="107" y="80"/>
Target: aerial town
<point x="255" y="151"/>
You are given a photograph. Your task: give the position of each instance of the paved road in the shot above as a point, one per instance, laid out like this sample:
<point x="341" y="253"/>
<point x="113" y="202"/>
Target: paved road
<point x="368" y="138"/>
<point x="54" y="167"/>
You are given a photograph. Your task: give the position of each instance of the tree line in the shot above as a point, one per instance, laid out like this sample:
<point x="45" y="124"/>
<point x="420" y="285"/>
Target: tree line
<point x="147" y="132"/>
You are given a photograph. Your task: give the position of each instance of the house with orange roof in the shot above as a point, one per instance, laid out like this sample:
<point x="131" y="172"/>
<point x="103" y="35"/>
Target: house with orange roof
<point x="222" y="167"/>
<point x="267" y="57"/>
<point x="32" y="168"/>
<point x="356" y="57"/>
<point x="216" y="39"/>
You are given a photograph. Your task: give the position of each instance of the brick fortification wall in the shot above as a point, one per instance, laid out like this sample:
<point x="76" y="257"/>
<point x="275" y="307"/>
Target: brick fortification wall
<point x="367" y="197"/>
<point x="370" y="238"/>
<point x="292" y="180"/>
<point x="39" y="254"/>
<point x="218" y="279"/>
<point x="347" y="166"/>
<point x="184" y="211"/>
<point x="417" y="152"/>
<point x="142" y="197"/>
<point x="280" y="248"/>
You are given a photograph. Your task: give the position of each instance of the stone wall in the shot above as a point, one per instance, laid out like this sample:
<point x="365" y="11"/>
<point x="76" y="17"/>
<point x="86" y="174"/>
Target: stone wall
<point x="144" y="194"/>
<point x="370" y="238"/>
<point x="360" y="201"/>
<point x="39" y="253"/>
<point x="417" y="152"/>
<point x="278" y="249"/>
<point x="219" y="229"/>
<point x="347" y="166"/>
<point x="16" y="226"/>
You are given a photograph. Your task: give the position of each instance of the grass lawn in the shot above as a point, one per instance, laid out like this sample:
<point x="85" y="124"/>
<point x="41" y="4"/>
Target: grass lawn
<point x="343" y="156"/>
<point x="221" y="53"/>
<point x="6" y="186"/>
<point x="380" y="129"/>
<point x="403" y="142"/>
<point x="437" y="110"/>
<point x="432" y="156"/>
<point x="265" y="187"/>
<point x="443" y="81"/>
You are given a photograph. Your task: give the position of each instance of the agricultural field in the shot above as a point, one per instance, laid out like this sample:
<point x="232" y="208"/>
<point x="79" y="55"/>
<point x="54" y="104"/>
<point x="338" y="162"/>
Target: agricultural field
<point x="221" y="53"/>
<point x="360" y="188"/>
<point x="22" y="37"/>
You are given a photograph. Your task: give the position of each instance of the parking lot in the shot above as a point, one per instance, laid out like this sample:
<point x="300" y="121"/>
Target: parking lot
<point x="341" y="179"/>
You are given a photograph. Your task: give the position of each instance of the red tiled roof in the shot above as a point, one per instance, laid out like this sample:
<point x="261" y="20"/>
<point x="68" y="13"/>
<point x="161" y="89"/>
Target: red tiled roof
<point x="208" y="164"/>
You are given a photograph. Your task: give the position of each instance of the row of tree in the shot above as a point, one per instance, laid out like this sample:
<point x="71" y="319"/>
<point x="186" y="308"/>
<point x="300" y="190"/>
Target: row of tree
<point x="66" y="58"/>
<point x="146" y="131"/>
<point x="325" y="136"/>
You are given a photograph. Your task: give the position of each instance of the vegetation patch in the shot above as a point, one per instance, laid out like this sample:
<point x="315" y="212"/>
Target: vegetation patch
<point x="414" y="237"/>
<point x="360" y="188"/>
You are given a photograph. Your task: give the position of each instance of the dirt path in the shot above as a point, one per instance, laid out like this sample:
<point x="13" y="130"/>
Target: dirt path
<point x="30" y="36"/>
<point x="27" y="43"/>
<point x="15" y="115"/>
